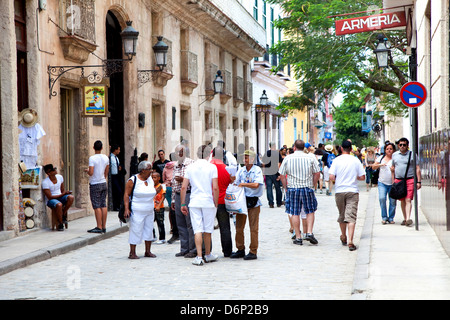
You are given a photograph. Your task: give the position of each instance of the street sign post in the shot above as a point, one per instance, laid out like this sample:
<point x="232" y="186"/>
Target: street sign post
<point x="413" y="94"/>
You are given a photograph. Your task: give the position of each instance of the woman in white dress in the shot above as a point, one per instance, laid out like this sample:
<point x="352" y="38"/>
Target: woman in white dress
<point x="142" y="209"/>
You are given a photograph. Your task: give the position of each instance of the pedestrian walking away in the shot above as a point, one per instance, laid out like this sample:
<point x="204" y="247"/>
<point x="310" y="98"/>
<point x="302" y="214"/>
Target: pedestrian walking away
<point x="250" y="178"/>
<point x="385" y="179"/>
<point x="141" y="213"/>
<point x="98" y="172"/>
<point x="271" y="163"/>
<point x="202" y="177"/>
<point x="299" y="174"/>
<point x="185" y="231"/>
<point x="346" y="171"/>
<point x="400" y="162"/>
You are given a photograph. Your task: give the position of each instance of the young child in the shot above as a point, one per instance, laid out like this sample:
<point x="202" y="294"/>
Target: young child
<point x="159" y="208"/>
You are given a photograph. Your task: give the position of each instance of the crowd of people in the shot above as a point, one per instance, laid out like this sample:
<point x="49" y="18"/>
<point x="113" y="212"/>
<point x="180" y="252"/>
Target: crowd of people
<point x="196" y="192"/>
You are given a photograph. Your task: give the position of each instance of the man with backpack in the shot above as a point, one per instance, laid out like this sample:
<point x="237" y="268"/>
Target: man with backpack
<point x="327" y="159"/>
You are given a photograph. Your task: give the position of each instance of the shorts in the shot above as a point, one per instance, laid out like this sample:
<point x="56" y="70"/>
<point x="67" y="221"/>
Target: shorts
<point x="300" y="200"/>
<point x="347" y="204"/>
<point x="98" y="193"/>
<point x="202" y="219"/>
<point x="409" y="188"/>
<point x="326" y="175"/>
<point x="53" y="202"/>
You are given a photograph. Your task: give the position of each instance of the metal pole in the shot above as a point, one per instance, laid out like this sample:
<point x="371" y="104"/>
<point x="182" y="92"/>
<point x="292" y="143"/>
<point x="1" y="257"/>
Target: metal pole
<point x="414" y="135"/>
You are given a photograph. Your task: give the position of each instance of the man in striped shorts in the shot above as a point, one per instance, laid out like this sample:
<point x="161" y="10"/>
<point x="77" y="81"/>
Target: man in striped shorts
<point x="299" y="174"/>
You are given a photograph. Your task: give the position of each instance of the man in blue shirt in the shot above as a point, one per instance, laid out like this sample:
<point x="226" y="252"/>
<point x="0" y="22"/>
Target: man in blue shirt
<point x="250" y="178"/>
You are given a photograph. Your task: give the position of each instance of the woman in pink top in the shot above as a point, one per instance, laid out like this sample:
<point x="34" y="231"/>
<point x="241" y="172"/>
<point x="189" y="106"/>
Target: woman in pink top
<point x="167" y="180"/>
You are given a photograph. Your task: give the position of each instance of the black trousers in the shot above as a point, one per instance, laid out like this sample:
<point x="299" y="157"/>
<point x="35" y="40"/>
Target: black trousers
<point x="117" y="190"/>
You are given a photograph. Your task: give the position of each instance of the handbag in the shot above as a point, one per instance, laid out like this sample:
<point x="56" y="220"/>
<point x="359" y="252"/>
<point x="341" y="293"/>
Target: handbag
<point x="121" y="214"/>
<point x="251" y="202"/>
<point x="235" y="200"/>
<point x="399" y="189"/>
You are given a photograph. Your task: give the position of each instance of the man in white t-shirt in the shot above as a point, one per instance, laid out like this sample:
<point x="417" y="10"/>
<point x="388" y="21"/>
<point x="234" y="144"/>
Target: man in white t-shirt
<point x="203" y="178"/>
<point x="57" y="197"/>
<point x="346" y="170"/>
<point x="98" y="189"/>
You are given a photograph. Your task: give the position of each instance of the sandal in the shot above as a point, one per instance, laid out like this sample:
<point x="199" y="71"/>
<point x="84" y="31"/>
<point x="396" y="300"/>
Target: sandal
<point x="351" y="247"/>
<point x="343" y="240"/>
<point x="133" y="256"/>
<point x="149" y="255"/>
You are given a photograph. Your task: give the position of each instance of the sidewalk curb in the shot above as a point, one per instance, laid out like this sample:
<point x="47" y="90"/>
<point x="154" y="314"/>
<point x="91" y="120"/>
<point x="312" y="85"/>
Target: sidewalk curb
<point x="361" y="277"/>
<point x="58" y="249"/>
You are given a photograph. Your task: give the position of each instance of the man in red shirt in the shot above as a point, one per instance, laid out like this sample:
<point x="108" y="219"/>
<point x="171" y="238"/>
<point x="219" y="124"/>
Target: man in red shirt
<point x="222" y="215"/>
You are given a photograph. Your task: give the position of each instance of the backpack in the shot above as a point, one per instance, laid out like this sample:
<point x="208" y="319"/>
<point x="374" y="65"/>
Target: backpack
<point x="330" y="158"/>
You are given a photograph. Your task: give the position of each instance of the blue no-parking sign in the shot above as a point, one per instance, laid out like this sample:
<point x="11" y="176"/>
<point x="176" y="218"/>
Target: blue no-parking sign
<point x="413" y="94"/>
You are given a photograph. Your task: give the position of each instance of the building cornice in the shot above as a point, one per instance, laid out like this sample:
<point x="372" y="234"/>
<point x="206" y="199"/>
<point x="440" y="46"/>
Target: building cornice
<point x="210" y="21"/>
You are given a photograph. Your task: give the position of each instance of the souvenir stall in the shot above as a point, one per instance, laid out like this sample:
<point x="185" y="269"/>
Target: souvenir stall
<point x="30" y="133"/>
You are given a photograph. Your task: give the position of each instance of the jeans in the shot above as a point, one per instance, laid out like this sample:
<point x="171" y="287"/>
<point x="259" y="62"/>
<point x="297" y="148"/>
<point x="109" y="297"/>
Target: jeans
<point x="270" y="181"/>
<point x="383" y="193"/>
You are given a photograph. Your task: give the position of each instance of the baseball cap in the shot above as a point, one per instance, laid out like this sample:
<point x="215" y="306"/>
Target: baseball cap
<point x="307" y="145"/>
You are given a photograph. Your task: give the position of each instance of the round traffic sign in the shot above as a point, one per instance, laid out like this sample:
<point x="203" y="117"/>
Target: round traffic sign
<point x="413" y="94"/>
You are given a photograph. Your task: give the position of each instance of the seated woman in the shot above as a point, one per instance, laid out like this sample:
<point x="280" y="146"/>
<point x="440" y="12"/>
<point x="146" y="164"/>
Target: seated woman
<point x="58" y="199"/>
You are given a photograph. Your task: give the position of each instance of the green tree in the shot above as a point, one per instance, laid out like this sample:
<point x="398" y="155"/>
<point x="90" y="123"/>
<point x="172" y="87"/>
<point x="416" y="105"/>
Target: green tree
<point x="325" y="63"/>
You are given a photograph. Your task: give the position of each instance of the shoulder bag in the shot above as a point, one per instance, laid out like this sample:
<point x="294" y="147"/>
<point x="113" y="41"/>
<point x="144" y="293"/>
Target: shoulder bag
<point x="121" y="214"/>
<point x="398" y="189"/>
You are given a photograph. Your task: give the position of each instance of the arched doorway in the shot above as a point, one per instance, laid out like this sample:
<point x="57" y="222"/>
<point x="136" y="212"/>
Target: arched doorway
<point x="115" y="92"/>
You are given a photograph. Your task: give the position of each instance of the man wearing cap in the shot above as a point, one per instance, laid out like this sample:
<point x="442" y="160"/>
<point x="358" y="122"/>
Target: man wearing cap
<point x="302" y="173"/>
<point x="346" y="170"/>
<point x="250" y="178"/>
<point x="57" y="197"/>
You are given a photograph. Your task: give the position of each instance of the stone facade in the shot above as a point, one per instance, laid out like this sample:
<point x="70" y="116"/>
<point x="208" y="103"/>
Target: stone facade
<point x="204" y="36"/>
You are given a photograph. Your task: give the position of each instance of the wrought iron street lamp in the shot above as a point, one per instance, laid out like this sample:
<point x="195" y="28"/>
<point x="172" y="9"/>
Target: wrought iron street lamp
<point x="160" y="50"/>
<point x="129" y="38"/>
<point x="218" y="83"/>
<point x="382" y="52"/>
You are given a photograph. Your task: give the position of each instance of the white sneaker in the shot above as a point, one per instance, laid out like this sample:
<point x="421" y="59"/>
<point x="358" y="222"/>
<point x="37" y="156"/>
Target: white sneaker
<point x="211" y="257"/>
<point x="198" y="261"/>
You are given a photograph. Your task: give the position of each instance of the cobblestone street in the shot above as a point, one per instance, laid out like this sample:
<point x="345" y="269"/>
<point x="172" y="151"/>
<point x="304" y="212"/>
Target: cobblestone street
<point x="282" y="271"/>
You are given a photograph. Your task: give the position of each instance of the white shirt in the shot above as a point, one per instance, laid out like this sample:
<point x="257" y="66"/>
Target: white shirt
<point x="55" y="188"/>
<point x="143" y="195"/>
<point x="115" y="163"/>
<point x="347" y="168"/>
<point x="99" y="162"/>
<point x="200" y="175"/>
<point x="385" y="176"/>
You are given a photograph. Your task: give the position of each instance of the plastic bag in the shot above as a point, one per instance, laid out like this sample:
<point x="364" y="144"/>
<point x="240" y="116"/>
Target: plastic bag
<point x="235" y="201"/>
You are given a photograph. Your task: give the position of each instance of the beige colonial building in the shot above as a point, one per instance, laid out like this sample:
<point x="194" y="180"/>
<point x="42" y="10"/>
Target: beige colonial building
<point x="43" y="46"/>
<point x="428" y="39"/>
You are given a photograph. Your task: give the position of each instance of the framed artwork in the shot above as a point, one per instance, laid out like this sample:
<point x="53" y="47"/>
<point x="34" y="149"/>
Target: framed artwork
<point x="95" y="100"/>
<point x="31" y="179"/>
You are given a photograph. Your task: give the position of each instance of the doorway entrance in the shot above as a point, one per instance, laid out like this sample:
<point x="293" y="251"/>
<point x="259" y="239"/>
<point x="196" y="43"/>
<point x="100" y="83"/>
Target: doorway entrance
<point x="67" y="169"/>
<point x="115" y="91"/>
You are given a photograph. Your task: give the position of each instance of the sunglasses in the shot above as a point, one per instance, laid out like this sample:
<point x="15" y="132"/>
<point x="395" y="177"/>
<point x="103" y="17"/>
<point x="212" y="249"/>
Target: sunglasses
<point x="402" y="144"/>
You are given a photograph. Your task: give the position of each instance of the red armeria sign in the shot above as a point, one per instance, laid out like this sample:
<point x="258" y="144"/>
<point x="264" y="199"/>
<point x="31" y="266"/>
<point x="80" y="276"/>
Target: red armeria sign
<point x="370" y="23"/>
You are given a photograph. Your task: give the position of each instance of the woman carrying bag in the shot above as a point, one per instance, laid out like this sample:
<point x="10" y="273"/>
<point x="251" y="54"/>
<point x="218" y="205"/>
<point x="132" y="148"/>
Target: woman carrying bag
<point x="385" y="180"/>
